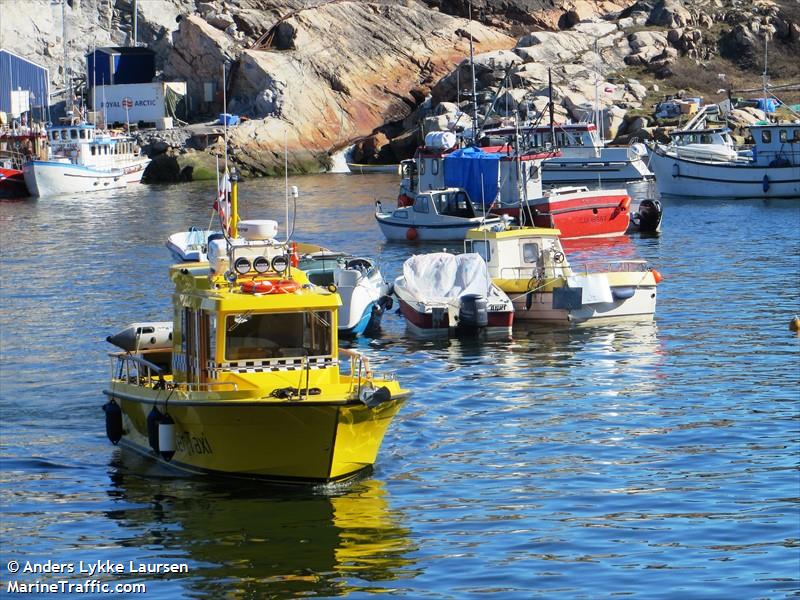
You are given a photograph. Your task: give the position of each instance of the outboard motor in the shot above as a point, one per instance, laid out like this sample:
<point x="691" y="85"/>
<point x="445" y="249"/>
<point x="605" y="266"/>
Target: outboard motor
<point x="473" y="314"/>
<point x="649" y="216"/>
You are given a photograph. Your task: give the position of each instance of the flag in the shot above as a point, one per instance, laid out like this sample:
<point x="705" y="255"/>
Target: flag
<point x="222" y="205"/>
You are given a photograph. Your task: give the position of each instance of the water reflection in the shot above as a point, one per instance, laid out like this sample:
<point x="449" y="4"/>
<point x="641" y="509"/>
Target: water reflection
<point x="255" y="541"/>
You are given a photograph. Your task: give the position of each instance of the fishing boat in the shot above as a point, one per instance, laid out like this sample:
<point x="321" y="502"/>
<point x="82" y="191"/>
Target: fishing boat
<point x="247" y="382"/>
<point x="17" y="145"/>
<point x="365" y="294"/>
<point x="368" y="168"/>
<point x="508" y="182"/>
<point x="82" y="158"/>
<point x="12" y="182"/>
<point x="771" y="169"/>
<point x="583" y="158"/>
<point x="436" y="215"/>
<point x="445" y="294"/>
<point x="529" y="264"/>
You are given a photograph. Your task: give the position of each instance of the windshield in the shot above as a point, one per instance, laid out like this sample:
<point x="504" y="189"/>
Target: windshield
<point x="278" y="335"/>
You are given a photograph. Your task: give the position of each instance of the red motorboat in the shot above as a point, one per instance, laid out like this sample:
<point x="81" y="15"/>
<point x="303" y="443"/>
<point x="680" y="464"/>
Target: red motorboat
<point x="577" y="212"/>
<point x="12" y="184"/>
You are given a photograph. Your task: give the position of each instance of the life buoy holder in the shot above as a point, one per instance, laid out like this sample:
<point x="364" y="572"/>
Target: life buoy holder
<point x="269" y="286"/>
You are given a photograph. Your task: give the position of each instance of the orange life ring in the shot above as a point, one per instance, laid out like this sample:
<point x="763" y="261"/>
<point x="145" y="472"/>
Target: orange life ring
<point x="286" y="286"/>
<point x="258" y="287"/>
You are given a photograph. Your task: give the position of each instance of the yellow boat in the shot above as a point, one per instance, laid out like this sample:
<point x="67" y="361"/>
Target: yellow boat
<point x="247" y="381"/>
<point x="529" y="264"/>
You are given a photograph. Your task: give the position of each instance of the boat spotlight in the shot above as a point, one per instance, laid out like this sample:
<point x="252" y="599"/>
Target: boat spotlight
<point x="242" y="265"/>
<point x="280" y="264"/>
<point x="261" y="264"/>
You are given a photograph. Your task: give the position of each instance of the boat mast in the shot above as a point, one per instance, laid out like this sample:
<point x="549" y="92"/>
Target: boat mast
<point x="551" y="108"/>
<point x="474" y="88"/>
<point x="67" y="83"/>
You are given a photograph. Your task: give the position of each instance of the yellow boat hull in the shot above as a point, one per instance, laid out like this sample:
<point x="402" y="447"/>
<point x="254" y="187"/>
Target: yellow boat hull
<point x="303" y="441"/>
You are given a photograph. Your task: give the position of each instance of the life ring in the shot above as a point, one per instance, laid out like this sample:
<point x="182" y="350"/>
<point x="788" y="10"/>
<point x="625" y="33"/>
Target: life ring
<point x="286" y="286"/>
<point x="258" y="287"/>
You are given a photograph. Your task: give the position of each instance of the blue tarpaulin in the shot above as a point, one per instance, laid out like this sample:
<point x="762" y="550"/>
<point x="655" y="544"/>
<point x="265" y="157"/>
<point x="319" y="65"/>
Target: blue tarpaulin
<point x="474" y="170"/>
<point x="768" y="105"/>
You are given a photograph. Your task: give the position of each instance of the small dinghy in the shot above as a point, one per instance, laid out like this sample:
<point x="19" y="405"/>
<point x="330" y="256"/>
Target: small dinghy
<point x="191" y="245"/>
<point x="365" y="293"/>
<point x="444" y="294"/>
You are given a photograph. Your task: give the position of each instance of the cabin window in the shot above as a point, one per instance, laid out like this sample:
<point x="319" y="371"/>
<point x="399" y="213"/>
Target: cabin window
<point x="533" y="172"/>
<point x="94" y="150"/>
<point x="421" y="204"/>
<point x="82" y="134"/>
<point x="783" y="136"/>
<point x="435" y="166"/>
<point x="422" y="167"/>
<point x="530" y="253"/>
<point x="196" y="334"/>
<point x="73" y="134"/>
<point x="766" y="136"/>
<point x="278" y="335"/>
<point x="480" y="247"/>
<point x="796" y="136"/>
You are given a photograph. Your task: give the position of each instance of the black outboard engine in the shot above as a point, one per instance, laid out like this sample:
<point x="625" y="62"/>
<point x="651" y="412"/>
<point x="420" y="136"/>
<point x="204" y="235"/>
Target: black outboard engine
<point x="473" y="314"/>
<point x="648" y="217"/>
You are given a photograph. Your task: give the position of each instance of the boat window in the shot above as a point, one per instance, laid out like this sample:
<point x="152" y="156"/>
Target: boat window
<point x="766" y="136"/>
<point x="422" y="166"/>
<point x="278" y="335"/>
<point x="480" y="247"/>
<point x="94" y="150"/>
<point x="435" y="166"/>
<point x="454" y="205"/>
<point x="533" y="172"/>
<point x="421" y="204"/>
<point x="530" y="252"/>
<point x="400" y="214"/>
<point x="796" y="136"/>
<point x="73" y="134"/>
<point x="783" y="136"/>
<point x="82" y="134"/>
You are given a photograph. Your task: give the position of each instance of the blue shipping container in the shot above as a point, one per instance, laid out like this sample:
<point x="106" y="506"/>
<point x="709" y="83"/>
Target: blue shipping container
<point x="17" y="73"/>
<point x="120" y="65"/>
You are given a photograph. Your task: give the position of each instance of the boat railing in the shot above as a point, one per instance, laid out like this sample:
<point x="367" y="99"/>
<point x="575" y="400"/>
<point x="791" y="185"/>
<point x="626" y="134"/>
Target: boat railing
<point x="548" y="272"/>
<point x="360" y="372"/>
<point x="208" y="386"/>
<point x="135" y="369"/>
<point x="613" y="266"/>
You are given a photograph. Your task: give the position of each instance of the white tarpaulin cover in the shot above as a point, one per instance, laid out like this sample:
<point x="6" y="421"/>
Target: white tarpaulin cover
<point x="442" y="277"/>
<point x="595" y="288"/>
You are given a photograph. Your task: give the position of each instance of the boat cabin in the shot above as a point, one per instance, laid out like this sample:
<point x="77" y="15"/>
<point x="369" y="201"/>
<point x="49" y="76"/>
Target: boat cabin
<point x="718" y="136"/>
<point x="567" y="136"/>
<point x="776" y="144"/>
<point x="489" y="177"/>
<point x="84" y="144"/>
<point x="519" y="253"/>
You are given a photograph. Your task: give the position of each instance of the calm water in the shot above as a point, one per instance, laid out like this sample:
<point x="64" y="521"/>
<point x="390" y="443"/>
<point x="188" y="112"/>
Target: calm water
<point x="659" y="461"/>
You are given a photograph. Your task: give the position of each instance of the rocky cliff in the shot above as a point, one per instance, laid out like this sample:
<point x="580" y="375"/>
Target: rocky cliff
<point x="318" y="75"/>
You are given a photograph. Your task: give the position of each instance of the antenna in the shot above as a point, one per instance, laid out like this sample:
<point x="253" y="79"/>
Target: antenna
<point x="286" y="175"/>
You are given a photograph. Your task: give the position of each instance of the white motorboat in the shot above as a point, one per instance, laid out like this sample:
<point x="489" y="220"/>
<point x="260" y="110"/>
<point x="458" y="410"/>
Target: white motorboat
<point x="364" y="292"/>
<point x="435" y="215"/>
<point x="771" y="169"/>
<point x="445" y="294"/>
<point x="190" y="245"/>
<point x="529" y="264"/>
<point x="82" y="158"/>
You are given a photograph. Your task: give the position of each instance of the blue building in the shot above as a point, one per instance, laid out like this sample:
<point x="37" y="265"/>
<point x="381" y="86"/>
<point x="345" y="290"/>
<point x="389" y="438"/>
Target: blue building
<point x="24" y="86"/>
<point x="120" y="65"/>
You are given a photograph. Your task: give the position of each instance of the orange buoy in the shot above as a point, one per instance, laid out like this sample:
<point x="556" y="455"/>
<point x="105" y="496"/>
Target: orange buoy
<point x="411" y="233"/>
<point x="794" y="324"/>
<point x="258" y="287"/>
<point x="294" y="259"/>
<point x="656" y="275"/>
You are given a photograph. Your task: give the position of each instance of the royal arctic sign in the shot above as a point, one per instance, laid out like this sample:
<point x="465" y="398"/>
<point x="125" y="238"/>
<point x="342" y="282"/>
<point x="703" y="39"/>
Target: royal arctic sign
<point x="133" y="102"/>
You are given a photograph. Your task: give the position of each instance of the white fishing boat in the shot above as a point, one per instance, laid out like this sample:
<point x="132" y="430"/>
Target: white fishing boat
<point x="82" y="158"/>
<point x="435" y="215"/>
<point x="529" y="264"/>
<point x="770" y="170"/>
<point x="584" y="157"/>
<point x="445" y="294"/>
<point x="190" y="245"/>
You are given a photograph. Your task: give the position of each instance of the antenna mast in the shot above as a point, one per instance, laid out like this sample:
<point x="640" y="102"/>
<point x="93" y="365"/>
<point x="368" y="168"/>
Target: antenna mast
<point x="474" y="89"/>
